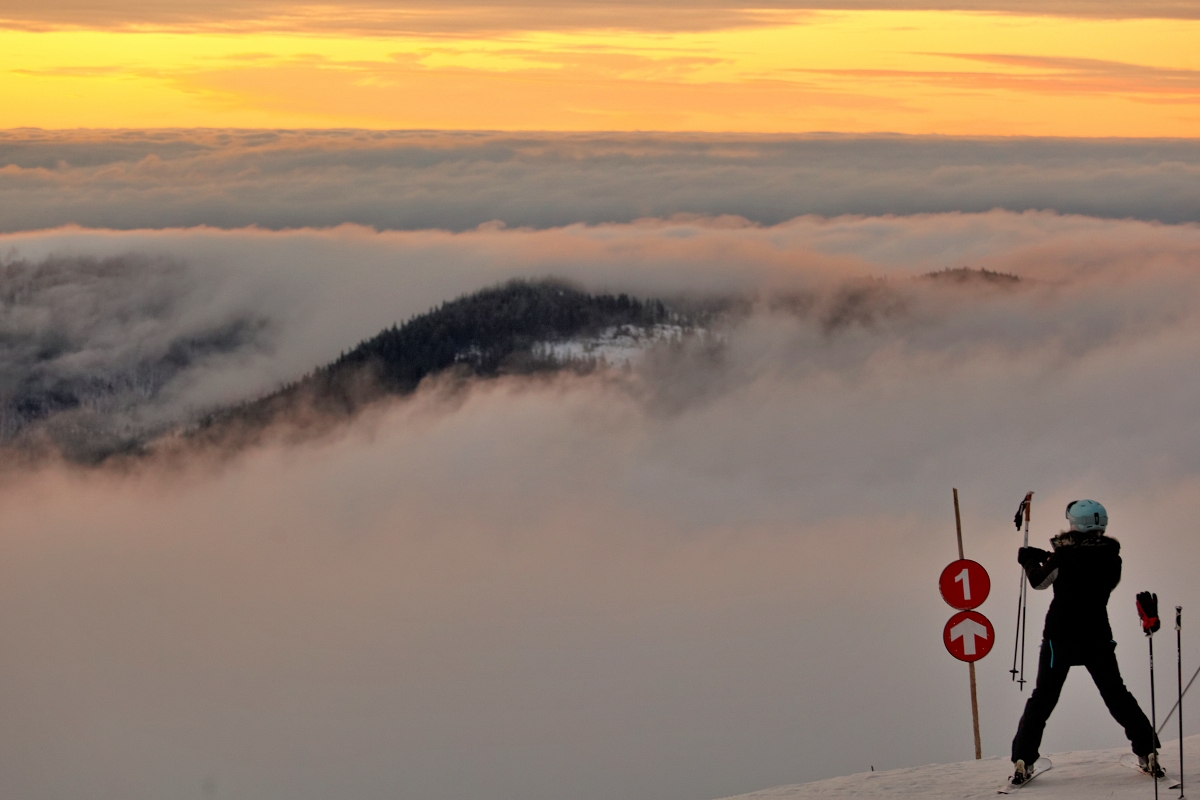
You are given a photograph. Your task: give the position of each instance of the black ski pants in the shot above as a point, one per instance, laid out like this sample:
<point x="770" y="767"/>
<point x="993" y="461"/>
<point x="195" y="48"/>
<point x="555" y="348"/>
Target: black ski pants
<point x="1101" y="662"/>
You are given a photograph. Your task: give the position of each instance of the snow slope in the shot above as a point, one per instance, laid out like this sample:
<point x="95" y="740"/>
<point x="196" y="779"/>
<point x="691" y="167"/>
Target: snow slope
<point x="1080" y="775"/>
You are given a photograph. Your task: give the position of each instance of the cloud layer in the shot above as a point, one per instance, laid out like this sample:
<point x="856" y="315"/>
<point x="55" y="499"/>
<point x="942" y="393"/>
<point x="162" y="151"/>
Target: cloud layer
<point x="492" y="16"/>
<point x="155" y="327"/>
<point x="712" y="575"/>
<point x="274" y="179"/>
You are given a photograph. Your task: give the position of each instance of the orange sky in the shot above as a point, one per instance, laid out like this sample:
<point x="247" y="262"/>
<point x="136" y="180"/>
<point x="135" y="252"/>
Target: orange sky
<point x="950" y="72"/>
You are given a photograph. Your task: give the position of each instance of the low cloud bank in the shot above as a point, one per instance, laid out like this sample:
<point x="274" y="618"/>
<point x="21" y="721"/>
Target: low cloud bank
<point x="456" y="181"/>
<point x="129" y="333"/>
<point x="710" y="576"/>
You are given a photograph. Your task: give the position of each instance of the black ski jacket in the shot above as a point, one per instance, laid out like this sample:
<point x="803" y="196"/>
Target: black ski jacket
<point x="1084" y="569"/>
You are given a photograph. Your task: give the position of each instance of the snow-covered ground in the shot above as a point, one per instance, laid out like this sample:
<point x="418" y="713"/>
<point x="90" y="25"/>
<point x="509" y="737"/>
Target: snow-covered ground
<point x="1082" y="775"/>
<point x="616" y="347"/>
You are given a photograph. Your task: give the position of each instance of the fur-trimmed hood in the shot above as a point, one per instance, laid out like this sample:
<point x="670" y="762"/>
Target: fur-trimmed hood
<point x="1081" y="539"/>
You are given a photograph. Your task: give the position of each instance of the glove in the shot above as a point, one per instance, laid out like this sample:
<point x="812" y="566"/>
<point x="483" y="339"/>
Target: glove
<point x="1031" y="556"/>
<point x="1147" y="606"/>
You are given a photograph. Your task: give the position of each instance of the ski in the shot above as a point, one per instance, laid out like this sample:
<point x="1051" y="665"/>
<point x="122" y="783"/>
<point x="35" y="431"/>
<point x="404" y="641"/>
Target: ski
<point x="1039" y="766"/>
<point x="1131" y="761"/>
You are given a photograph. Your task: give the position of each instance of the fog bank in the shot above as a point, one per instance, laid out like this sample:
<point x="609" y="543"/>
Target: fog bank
<point x="709" y="575"/>
<point x="421" y="179"/>
<point x="152" y="328"/>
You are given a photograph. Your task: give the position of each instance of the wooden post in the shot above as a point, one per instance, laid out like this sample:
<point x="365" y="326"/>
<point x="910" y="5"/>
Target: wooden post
<point x="975" y="713"/>
<point x="958" y="525"/>
<point x="971" y="665"/>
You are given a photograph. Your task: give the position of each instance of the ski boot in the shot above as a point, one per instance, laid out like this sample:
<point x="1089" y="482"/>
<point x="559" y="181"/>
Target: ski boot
<point x="1020" y="773"/>
<point x="1149" y="765"/>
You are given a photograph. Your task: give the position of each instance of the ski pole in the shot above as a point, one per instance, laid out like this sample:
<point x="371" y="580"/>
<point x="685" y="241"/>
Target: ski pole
<point x="1019" y="639"/>
<point x="1020" y="593"/>
<point x="1147" y="608"/>
<point x="1167" y="718"/>
<point x="1025" y="592"/>
<point x="1017" y="636"/>
<point x="1179" y="674"/>
<point x="1153" y="721"/>
<point x="1024" y="626"/>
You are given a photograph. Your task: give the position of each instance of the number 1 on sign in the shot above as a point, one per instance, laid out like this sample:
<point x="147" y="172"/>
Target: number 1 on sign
<point x="964" y="584"/>
<point x="965" y="578"/>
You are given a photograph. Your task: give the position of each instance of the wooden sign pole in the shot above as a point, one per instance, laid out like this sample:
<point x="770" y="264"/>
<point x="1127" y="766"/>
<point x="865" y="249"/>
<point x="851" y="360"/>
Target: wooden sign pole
<point x="971" y="665"/>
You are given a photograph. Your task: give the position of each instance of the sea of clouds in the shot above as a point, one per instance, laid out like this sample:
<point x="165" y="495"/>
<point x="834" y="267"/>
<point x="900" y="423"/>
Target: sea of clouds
<point x="456" y="181"/>
<point x="718" y="579"/>
<point x="155" y="328"/>
<point x="710" y="575"/>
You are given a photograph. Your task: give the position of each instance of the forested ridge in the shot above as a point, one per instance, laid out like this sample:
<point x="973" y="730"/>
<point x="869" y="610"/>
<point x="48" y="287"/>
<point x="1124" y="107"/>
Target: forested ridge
<point x="485" y="329"/>
<point x="51" y="398"/>
<point x="485" y="334"/>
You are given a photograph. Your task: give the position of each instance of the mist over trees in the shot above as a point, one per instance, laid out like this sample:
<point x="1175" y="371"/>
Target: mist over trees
<point x="119" y="404"/>
<point x="485" y="334"/>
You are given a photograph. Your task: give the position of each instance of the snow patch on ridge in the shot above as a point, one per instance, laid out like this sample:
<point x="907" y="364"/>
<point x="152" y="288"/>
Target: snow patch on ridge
<point x="618" y="346"/>
<point x="1082" y="775"/>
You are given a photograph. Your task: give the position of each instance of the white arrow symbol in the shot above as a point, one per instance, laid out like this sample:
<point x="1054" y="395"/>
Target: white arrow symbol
<point x="967" y="630"/>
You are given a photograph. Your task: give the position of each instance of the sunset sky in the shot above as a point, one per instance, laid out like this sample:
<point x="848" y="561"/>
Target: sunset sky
<point x="906" y="246"/>
<point x="971" y="68"/>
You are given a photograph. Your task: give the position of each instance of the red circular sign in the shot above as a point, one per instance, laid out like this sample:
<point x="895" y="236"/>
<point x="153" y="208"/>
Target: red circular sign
<point x="969" y="636"/>
<point x="964" y="584"/>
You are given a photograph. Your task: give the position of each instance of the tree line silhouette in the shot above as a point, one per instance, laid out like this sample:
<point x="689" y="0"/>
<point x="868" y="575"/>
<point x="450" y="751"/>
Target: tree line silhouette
<point x="485" y="334"/>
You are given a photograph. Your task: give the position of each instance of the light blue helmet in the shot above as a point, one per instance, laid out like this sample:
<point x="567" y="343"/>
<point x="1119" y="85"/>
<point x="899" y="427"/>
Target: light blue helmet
<point x="1087" y="516"/>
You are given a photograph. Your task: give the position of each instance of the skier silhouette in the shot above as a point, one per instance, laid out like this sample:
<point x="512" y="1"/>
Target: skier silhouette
<point x="1084" y="568"/>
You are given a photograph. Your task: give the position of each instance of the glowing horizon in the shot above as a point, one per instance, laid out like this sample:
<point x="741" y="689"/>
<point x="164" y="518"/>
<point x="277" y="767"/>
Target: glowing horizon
<point x="919" y="72"/>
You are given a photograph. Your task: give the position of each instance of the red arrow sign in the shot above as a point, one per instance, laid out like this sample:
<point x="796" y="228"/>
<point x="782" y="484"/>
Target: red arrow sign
<point x="964" y="584"/>
<point x="969" y="636"/>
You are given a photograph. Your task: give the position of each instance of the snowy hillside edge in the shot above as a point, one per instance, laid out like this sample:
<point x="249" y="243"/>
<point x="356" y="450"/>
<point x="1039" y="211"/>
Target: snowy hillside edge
<point x="1080" y="775"/>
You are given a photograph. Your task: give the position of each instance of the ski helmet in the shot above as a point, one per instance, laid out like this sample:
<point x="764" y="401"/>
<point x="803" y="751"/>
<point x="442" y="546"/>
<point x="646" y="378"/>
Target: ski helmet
<point x="1087" y="516"/>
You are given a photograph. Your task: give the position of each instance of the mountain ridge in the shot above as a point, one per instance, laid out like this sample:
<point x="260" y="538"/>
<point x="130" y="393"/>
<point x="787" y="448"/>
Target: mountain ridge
<point x="484" y="334"/>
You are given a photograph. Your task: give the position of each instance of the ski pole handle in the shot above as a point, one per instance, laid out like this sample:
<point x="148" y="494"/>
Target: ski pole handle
<point x="1028" y="509"/>
<point x="1023" y="511"/>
